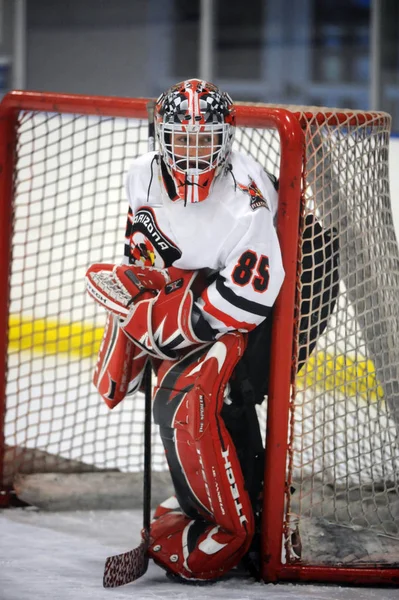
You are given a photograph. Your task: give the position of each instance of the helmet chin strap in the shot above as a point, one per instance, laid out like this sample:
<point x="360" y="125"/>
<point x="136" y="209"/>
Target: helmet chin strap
<point x="186" y="183"/>
<point x="185" y="189"/>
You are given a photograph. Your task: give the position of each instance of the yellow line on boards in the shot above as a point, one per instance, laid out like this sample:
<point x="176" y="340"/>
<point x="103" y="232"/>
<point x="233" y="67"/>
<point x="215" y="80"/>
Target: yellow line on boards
<point x="49" y="336"/>
<point x="350" y="377"/>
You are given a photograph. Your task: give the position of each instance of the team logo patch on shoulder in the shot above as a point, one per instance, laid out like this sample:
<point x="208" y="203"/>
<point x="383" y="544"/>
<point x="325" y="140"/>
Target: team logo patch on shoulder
<point x="256" y="199"/>
<point x="149" y="246"/>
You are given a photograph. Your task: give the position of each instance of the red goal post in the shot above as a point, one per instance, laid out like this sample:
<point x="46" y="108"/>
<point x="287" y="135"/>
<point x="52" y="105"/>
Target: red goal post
<point x="317" y="149"/>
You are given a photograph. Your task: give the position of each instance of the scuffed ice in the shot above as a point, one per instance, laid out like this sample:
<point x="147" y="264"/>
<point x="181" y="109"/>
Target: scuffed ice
<point x="60" y="556"/>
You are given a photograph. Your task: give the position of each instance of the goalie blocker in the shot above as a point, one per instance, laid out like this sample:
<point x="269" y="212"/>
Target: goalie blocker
<point x="120" y="364"/>
<point x="151" y="313"/>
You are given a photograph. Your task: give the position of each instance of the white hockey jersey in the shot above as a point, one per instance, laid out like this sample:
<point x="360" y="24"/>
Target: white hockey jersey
<point x="231" y="234"/>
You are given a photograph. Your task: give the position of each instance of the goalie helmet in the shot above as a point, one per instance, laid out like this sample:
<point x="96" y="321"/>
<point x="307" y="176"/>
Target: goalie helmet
<point x="195" y="124"/>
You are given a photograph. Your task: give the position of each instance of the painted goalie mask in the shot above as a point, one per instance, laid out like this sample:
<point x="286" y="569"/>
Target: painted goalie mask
<point x="195" y="124"/>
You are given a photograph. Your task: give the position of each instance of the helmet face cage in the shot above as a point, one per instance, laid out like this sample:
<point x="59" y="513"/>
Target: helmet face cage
<point x="195" y="148"/>
<point x="195" y="125"/>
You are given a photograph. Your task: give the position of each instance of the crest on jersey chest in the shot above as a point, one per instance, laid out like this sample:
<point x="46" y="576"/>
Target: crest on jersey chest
<point x="256" y="198"/>
<point x="149" y="246"/>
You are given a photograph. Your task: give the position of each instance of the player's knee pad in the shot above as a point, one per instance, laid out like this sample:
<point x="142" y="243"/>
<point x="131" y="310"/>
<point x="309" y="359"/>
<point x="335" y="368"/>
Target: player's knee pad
<point x="217" y="526"/>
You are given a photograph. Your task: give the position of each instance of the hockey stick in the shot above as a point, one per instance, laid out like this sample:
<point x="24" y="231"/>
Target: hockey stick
<point x="129" y="566"/>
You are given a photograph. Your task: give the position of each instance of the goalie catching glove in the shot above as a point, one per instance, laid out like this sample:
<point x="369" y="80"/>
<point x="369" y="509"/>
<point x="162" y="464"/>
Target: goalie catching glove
<point x="116" y="287"/>
<point x="156" y="307"/>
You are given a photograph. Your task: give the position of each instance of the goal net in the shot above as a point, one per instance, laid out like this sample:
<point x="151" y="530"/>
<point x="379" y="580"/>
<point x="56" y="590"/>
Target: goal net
<point x="332" y="447"/>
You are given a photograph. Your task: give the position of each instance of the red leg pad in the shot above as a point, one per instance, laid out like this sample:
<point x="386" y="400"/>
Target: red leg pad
<point x="195" y="549"/>
<point x="217" y="526"/>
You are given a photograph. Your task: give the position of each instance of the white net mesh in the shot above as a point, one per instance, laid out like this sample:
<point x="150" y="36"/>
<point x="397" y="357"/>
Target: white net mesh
<point x="345" y="448"/>
<point x="70" y="212"/>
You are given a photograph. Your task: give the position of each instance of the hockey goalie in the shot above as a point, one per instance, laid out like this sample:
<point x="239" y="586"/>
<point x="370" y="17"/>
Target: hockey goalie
<point x="202" y="269"/>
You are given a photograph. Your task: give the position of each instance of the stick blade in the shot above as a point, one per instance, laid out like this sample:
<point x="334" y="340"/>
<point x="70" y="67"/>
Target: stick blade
<point x="127" y="567"/>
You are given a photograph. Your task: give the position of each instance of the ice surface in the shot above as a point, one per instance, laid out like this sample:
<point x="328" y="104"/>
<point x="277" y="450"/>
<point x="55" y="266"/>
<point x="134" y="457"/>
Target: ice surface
<point x="60" y="556"/>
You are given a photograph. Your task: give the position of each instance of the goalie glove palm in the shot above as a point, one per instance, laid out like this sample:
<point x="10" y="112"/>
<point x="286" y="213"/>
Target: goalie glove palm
<point x="117" y="287"/>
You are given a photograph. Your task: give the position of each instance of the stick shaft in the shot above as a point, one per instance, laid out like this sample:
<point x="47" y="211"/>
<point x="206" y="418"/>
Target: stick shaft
<point x="147" y="449"/>
<point x="147" y="378"/>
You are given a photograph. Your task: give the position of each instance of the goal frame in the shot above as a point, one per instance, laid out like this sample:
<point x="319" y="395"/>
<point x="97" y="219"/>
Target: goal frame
<point x="291" y="190"/>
